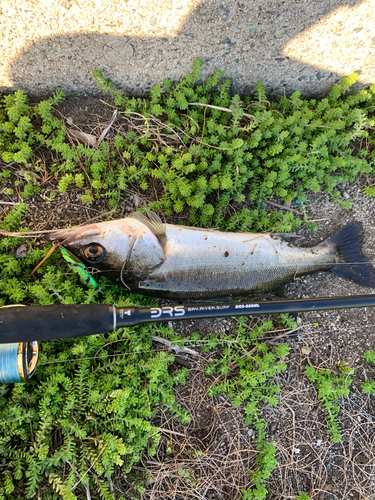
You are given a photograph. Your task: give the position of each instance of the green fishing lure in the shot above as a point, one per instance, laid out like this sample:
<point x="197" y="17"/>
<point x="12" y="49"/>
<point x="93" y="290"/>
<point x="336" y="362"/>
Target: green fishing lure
<point x="79" y="268"/>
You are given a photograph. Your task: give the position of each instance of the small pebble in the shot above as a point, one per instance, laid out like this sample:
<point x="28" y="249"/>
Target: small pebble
<point x="21" y="252"/>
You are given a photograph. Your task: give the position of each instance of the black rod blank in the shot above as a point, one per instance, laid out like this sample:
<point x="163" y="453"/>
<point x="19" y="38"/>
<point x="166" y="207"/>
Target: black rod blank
<point x="26" y="324"/>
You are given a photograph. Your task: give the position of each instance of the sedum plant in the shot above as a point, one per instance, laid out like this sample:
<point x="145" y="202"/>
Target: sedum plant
<point x="247" y="380"/>
<point x="368" y="387"/>
<point x="331" y="386"/>
<point x="201" y="149"/>
<point x="83" y="420"/>
<point x="232" y="150"/>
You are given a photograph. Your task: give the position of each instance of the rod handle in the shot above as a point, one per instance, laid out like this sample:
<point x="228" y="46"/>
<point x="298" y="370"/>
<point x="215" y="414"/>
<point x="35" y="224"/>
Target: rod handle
<point x="26" y="324"/>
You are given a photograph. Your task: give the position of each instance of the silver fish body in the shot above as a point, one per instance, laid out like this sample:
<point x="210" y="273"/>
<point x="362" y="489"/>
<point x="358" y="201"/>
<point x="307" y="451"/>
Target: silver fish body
<point x="208" y="264"/>
<point x="177" y="262"/>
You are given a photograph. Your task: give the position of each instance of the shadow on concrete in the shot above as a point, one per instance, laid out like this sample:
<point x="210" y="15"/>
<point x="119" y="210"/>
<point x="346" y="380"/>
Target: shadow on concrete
<point x="245" y="39"/>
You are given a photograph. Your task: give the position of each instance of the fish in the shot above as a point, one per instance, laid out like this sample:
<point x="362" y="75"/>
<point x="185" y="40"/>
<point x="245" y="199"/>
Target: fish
<point x="170" y="261"/>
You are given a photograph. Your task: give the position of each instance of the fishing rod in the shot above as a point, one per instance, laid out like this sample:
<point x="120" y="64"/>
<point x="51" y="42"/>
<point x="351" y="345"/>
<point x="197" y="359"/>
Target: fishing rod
<point x="21" y="327"/>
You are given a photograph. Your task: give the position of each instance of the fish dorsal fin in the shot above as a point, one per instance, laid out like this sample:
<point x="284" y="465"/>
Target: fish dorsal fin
<point x="153" y="222"/>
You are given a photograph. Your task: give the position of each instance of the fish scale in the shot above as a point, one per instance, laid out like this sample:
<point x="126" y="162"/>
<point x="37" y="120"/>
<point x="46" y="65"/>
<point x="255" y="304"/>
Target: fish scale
<point x="178" y="262"/>
<point x="202" y="265"/>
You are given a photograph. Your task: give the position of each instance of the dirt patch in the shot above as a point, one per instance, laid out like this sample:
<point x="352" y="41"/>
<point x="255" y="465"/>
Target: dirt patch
<point x="208" y="458"/>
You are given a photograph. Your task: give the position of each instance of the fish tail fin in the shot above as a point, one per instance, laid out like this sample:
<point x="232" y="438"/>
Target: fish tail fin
<point x="352" y="263"/>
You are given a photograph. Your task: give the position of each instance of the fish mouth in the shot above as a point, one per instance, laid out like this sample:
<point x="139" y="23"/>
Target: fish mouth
<point x="65" y="236"/>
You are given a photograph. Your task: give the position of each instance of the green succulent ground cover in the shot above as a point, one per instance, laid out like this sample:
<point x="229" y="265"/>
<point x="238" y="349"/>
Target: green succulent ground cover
<point x="203" y="158"/>
<point x="368" y="387"/>
<point x="84" y="419"/>
<point x="331" y="386"/>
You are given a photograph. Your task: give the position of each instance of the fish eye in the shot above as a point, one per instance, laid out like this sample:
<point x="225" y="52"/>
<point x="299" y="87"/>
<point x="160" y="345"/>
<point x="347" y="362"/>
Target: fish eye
<point x="94" y="252"/>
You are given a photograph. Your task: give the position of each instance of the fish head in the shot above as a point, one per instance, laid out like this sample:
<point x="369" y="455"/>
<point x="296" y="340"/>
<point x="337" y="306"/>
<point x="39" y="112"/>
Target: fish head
<point x="109" y="246"/>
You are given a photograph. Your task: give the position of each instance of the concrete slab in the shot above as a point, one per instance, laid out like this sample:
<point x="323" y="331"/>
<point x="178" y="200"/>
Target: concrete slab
<point x="289" y="45"/>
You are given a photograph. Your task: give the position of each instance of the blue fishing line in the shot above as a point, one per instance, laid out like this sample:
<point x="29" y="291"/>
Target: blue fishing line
<point x="9" y="367"/>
